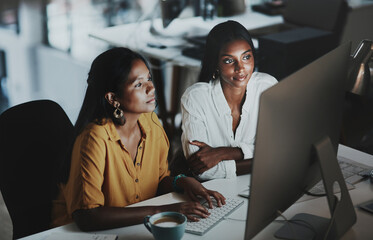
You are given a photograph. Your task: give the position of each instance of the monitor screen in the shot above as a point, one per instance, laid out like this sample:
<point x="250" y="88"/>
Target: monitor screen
<point x="294" y="115"/>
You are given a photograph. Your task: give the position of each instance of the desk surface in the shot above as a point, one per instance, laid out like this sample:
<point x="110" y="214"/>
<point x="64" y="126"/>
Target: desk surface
<point x="237" y="220"/>
<point x="136" y="36"/>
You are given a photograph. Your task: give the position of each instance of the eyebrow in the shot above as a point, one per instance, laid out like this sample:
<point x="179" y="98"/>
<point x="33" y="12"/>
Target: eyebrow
<point x="138" y="79"/>
<point x="227" y="55"/>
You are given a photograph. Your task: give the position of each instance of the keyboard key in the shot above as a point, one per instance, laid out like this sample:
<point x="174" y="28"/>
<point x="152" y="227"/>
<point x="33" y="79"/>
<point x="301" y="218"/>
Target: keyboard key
<point x="216" y="215"/>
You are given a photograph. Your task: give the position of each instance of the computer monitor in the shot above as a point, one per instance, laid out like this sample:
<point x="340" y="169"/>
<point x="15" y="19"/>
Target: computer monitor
<point x="296" y="145"/>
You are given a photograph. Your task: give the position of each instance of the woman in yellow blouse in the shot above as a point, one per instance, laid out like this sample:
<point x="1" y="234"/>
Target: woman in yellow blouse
<point x="120" y="152"/>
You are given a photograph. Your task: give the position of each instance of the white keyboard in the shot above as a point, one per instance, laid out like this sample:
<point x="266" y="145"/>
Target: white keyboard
<point x="350" y="171"/>
<point x="216" y="215"/>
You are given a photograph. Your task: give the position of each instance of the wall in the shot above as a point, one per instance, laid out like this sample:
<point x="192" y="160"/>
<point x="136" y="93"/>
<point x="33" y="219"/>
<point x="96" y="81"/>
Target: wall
<point x="62" y="79"/>
<point x="39" y="72"/>
<point x="19" y="51"/>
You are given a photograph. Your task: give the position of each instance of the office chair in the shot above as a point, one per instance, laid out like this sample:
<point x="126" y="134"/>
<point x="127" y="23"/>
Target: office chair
<point x="34" y="141"/>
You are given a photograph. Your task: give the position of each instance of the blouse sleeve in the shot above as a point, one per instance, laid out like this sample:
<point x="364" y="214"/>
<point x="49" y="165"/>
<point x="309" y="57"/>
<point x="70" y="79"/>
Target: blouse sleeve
<point x="247" y="149"/>
<point x="163" y="144"/>
<point x="88" y="164"/>
<point x="194" y="128"/>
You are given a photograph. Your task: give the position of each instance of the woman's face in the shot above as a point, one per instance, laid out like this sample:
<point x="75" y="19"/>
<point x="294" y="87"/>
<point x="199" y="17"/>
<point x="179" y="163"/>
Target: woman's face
<point x="138" y="94"/>
<point x="236" y="63"/>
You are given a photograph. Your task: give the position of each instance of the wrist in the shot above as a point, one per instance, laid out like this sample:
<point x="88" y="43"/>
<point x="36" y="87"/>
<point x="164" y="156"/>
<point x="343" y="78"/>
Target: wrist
<point x="232" y="153"/>
<point x="175" y="186"/>
<point x="161" y="208"/>
<point x="223" y="153"/>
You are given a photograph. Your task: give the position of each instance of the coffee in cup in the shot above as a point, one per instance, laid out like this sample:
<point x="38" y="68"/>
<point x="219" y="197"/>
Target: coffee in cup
<point x="166" y="225"/>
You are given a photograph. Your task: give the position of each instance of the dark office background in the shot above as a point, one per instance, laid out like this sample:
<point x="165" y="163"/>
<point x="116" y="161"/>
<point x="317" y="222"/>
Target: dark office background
<point x="45" y="51"/>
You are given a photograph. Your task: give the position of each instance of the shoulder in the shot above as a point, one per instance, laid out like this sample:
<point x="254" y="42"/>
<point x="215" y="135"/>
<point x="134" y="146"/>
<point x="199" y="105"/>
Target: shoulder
<point x="151" y="125"/>
<point x="260" y="81"/>
<point x="198" y="93"/>
<point x="260" y="78"/>
<point x="94" y="129"/>
<point x="94" y="132"/>
<point x="150" y="120"/>
<point x="197" y="88"/>
<point x="92" y="138"/>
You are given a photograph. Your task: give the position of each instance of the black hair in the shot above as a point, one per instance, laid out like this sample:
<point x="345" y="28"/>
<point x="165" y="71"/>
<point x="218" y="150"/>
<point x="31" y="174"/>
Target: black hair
<point x="218" y="36"/>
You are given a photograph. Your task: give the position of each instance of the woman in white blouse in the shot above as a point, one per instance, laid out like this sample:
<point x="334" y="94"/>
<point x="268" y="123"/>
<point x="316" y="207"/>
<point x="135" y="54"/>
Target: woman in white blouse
<point x="219" y="113"/>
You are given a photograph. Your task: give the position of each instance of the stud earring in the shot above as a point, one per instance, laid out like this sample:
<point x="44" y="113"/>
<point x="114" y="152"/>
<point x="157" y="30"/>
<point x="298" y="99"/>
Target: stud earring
<point x="216" y="73"/>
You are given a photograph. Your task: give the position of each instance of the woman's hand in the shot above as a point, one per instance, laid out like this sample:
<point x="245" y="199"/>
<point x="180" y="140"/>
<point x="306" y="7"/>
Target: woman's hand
<point x="195" y="189"/>
<point x="192" y="210"/>
<point x="205" y="158"/>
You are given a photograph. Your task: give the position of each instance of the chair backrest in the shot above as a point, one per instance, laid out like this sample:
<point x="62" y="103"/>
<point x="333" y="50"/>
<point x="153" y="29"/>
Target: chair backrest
<point x="34" y="141"/>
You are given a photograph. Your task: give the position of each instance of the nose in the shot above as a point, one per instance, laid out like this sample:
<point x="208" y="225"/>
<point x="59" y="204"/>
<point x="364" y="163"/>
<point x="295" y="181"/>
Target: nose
<point x="239" y="67"/>
<point x="150" y="87"/>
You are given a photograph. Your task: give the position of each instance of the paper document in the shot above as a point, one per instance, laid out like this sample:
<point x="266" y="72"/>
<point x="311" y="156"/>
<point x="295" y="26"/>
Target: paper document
<point x="81" y="236"/>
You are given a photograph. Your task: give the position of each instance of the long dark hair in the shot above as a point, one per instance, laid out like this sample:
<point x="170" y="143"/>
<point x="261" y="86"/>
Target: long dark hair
<point x="109" y="72"/>
<point x="216" y="39"/>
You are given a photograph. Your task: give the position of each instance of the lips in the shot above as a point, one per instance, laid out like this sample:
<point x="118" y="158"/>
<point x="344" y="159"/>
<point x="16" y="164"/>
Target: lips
<point x="151" y="100"/>
<point x="240" y="78"/>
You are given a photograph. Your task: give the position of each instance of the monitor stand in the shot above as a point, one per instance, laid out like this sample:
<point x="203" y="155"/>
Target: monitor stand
<point x="343" y="216"/>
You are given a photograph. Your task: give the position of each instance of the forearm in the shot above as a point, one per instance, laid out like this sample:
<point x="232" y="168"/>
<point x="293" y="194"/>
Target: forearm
<point x="165" y="186"/>
<point x="102" y="218"/>
<point x="230" y="153"/>
<point x="113" y="217"/>
<point x="243" y="166"/>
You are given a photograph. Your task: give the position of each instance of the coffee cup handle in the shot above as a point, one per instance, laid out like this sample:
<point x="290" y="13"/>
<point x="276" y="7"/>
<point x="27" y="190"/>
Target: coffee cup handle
<point x="146" y="223"/>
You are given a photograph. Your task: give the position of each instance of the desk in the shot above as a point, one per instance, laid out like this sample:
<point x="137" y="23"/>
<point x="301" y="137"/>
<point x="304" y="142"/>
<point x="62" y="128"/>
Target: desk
<point x="136" y="36"/>
<point x="318" y="206"/>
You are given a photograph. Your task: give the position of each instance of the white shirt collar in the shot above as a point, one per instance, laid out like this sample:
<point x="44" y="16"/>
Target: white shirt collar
<point x="218" y="97"/>
<point x="221" y="103"/>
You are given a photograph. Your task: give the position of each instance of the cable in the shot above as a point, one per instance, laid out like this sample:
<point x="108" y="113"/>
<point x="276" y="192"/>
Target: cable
<point x="315" y="194"/>
<point x="287" y="221"/>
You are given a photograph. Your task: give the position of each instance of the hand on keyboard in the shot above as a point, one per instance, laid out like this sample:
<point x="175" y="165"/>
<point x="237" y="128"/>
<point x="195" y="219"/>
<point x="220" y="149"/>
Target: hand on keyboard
<point x="216" y="214"/>
<point x="194" y="211"/>
<point x="209" y="209"/>
<point x="194" y="190"/>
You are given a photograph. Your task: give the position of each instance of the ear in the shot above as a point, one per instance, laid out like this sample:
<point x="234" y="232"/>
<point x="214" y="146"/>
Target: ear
<point x="110" y="98"/>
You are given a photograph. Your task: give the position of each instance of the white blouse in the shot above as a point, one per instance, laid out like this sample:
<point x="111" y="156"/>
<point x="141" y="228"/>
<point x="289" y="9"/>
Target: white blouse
<point x="206" y="117"/>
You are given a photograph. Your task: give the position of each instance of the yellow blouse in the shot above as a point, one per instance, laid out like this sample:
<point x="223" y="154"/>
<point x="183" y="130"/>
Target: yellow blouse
<point x="103" y="173"/>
